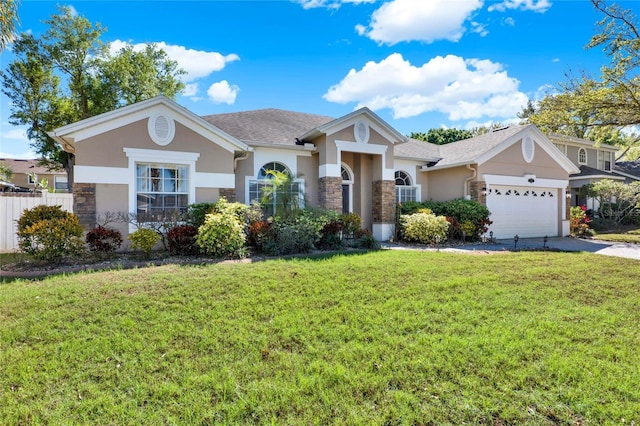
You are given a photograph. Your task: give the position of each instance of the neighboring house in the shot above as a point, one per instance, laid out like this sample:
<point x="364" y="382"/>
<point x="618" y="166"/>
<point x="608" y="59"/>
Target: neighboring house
<point x="596" y="162"/>
<point x="157" y="155"/>
<point x="629" y="169"/>
<point x="23" y="175"/>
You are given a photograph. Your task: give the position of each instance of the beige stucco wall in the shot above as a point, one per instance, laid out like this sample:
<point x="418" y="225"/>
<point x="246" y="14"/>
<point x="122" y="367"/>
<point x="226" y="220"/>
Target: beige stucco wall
<point x="22" y="179"/>
<point x="422" y="178"/>
<point x="446" y="184"/>
<point x="244" y="168"/>
<point x="511" y="162"/>
<point x="308" y="170"/>
<point x="106" y="149"/>
<point x="207" y="195"/>
<point x="114" y="199"/>
<point x="329" y="151"/>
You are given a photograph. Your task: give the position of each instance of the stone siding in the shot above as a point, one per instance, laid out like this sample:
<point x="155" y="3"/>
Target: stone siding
<point x="84" y="203"/>
<point x="383" y="197"/>
<point x="330" y="193"/>
<point x="229" y="194"/>
<point x="478" y="191"/>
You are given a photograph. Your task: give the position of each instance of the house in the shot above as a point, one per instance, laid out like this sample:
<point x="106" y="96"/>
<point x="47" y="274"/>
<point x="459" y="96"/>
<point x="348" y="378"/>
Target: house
<point x="157" y="155"/>
<point x="596" y="162"/>
<point x="23" y="175"/>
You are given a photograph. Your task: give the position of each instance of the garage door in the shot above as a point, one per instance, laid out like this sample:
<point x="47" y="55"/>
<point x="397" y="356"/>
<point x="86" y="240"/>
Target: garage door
<point x="525" y="211"/>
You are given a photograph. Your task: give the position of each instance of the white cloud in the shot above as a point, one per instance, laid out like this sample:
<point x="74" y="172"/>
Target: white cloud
<point x="479" y="29"/>
<point x="426" y="21"/>
<point x="223" y="93"/>
<point x="461" y="88"/>
<point x="509" y="21"/>
<point x="197" y="63"/>
<point x="16" y="133"/>
<point x="540" y="6"/>
<point x="190" y="89"/>
<point x="329" y="4"/>
<point x="18" y="146"/>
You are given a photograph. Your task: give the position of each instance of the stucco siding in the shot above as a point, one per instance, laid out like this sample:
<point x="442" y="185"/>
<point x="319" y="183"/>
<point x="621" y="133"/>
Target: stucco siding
<point x="244" y="168"/>
<point x="447" y="184"/>
<point x="308" y="170"/>
<point x="207" y="195"/>
<point x="113" y="199"/>
<point x="511" y="162"/>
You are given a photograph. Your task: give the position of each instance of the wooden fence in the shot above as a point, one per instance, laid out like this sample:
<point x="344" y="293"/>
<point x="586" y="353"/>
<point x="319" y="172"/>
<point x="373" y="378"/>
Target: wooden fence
<point x="12" y="204"/>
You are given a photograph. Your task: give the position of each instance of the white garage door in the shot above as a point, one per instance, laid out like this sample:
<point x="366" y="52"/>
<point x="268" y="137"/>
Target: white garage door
<point x="525" y="211"/>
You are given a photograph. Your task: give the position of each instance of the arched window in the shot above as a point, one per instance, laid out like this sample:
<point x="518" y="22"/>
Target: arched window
<point x="582" y="156"/>
<point x="405" y="191"/>
<point x="276" y="197"/>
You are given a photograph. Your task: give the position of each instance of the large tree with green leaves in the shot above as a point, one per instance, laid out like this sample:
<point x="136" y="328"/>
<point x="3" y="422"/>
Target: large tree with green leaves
<point x="605" y="108"/>
<point x="69" y="74"/>
<point x="441" y="136"/>
<point x="8" y="21"/>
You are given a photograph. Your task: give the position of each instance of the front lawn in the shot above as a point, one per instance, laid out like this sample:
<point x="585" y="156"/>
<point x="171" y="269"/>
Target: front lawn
<point x="393" y="337"/>
<point x="622" y="235"/>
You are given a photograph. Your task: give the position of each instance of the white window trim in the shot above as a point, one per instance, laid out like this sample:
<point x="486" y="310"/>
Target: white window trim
<point x="30" y="179"/>
<point x="335" y="170"/>
<point x="411" y="186"/>
<point x="136" y="155"/>
<point x="349" y="183"/>
<point x="249" y="179"/>
<point x="603" y="156"/>
<point x="586" y="156"/>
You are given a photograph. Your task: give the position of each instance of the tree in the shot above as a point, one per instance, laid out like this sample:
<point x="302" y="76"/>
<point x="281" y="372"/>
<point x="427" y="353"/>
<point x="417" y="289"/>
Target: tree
<point x="6" y="174"/>
<point x="8" y="21"/>
<point x="616" y="200"/>
<point x="68" y="75"/>
<point x="442" y="136"/>
<point x="600" y="109"/>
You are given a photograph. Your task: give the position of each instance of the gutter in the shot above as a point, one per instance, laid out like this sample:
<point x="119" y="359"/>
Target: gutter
<point x="465" y="189"/>
<point x="243" y="156"/>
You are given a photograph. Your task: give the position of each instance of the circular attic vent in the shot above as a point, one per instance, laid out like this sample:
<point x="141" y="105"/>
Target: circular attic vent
<point x="528" y="149"/>
<point x="361" y="132"/>
<point x="161" y="129"/>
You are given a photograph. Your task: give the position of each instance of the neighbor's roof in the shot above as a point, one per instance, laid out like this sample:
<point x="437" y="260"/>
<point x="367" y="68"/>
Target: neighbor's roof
<point x="631" y="168"/>
<point x="19" y="166"/>
<point x="591" y="172"/>
<point x="271" y="125"/>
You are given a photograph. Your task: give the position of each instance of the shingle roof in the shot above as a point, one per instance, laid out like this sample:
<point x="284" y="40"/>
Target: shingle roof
<point x="270" y="125"/>
<point x="628" y="167"/>
<point x="464" y="151"/>
<point x="417" y="149"/>
<point x="586" y="171"/>
<point x="27" y="166"/>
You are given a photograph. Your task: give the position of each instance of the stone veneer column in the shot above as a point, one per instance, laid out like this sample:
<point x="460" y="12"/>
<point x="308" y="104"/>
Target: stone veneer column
<point x="228" y="193"/>
<point x="567" y="203"/>
<point x="477" y="193"/>
<point x="84" y="203"/>
<point x="330" y="193"/>
<point x="383" y="204"/>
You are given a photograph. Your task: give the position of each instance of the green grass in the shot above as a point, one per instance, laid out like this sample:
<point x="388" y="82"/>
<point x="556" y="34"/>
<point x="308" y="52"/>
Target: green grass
<point x="625" y="235"/>
<point x="386" y="337"/>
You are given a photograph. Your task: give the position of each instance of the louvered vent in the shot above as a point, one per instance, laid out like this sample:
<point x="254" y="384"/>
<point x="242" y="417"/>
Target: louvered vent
<point x="161" y="129"/>
<point x="361" y="132"/>
<point x="528" y="149"/>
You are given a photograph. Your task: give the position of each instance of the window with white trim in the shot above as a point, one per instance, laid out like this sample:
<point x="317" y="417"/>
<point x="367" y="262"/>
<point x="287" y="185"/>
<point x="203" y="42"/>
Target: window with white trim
<point x="604" y="160"/>
<point x="32" y="178"/>
<point x="582" y="156"/>
<point x="161" y="188"/>
<point x="405" y="191"/>
<point x="264" y="184"/>
<point x="60" y="183"/>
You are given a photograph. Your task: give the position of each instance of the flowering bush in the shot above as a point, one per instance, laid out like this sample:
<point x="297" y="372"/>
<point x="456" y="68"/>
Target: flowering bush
<point x="579" y="222"/>
<point x="351" y="222"/>
<point x="103" y="240"/>
<point x="181" y="239"/>
<point x="49" y="233"/>
<point x="424" y="228"/>
<point x="144" y="239"/>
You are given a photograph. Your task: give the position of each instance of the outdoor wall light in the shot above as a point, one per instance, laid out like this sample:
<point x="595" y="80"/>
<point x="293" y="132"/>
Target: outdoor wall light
<point x="531" y="180"/>
<point x="568" y="193"/>
<point x="484" y="190"/>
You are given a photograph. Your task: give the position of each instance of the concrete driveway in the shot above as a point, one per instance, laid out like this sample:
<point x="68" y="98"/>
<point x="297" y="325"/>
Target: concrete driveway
<point x="607" y="248"/>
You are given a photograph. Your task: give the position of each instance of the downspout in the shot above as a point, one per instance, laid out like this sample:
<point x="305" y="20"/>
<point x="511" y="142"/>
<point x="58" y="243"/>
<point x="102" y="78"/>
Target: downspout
<point x="465" y="190"/>
<point x="243" y="156"/>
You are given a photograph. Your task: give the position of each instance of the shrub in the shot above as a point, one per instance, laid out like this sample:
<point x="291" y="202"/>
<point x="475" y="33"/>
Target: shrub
<point x="196" y="213"/>
<point x="363" y="238"/>
<point x="424" y="228"/>
<point x="295" y="235"/>
<point x="330" y="235"/>
<point x="103" y="240"/>
<point x="351" y="222"/>
<point x="181" y="240"/>
<point x="222" y="235"/>
<point x="49" y="233"/>
<point x="258" y="233"/>
<point x="460" y="209"/>
<point x="579" y="222"/>
<point x="144" y="239"/>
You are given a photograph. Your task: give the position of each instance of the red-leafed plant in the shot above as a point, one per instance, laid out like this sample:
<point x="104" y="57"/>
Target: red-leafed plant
<point x="103" y="240"/>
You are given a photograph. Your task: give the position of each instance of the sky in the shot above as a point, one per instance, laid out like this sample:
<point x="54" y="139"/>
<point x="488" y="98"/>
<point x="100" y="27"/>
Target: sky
<point x="419" y="64"/>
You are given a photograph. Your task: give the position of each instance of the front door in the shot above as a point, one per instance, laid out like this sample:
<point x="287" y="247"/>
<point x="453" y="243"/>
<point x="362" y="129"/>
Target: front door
<point x="345" y="198"/>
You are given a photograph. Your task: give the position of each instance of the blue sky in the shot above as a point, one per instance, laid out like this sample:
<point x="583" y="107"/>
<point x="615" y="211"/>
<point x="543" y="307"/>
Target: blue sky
<point x="419" y="64"/>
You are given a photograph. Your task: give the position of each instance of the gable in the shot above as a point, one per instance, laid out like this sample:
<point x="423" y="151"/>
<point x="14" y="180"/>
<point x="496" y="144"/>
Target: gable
<point x="161" y="116"/>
